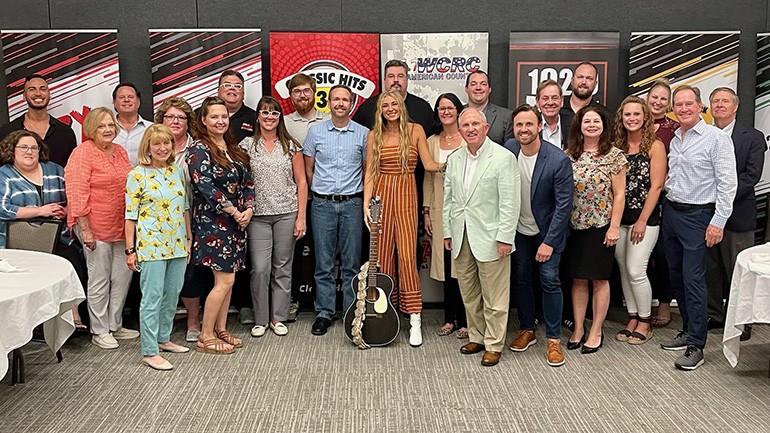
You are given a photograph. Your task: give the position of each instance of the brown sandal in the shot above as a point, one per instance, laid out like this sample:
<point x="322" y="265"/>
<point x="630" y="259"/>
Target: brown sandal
<point x="230" y="339"/>
<point x="213" y="345"/>
<point x="660" y="321"/>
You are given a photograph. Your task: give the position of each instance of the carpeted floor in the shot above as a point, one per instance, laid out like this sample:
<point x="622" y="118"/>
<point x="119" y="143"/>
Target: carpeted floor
<point x="304" y="383"/>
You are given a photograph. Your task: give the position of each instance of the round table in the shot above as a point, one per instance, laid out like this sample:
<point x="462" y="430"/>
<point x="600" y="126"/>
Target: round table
<point x="44" y="293"/>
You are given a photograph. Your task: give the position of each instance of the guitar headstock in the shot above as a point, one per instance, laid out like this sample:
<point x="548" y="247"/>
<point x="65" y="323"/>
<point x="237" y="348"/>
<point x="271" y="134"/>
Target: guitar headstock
<point x="375" y="209"/>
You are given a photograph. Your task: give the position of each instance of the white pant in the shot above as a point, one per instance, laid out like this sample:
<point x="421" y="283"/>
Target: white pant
<point x="108" y="281"/>
<point x="632" y="261"/>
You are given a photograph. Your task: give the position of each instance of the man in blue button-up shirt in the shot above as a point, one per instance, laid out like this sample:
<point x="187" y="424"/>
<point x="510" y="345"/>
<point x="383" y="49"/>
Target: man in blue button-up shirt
<point x="335" y="153"/>
<point x="701" y="185"/>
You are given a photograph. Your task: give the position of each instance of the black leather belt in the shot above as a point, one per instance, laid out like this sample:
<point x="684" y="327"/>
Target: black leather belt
<point x="338" y="197"/>
<point x="684" y="207"/>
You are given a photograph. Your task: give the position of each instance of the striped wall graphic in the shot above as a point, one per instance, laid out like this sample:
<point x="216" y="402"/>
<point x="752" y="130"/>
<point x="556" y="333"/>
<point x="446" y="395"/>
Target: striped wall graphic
<point x="188" y="63"/>
<point x="81" y="67"/>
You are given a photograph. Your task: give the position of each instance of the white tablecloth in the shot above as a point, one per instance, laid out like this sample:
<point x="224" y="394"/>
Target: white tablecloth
<point x="749" y="301"/>
<point x="45" y="293"/>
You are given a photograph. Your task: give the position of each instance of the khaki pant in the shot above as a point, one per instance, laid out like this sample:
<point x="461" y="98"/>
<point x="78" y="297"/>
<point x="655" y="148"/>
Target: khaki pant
<point x="485" y="288"/>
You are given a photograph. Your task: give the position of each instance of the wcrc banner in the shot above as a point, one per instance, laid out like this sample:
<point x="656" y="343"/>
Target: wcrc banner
<point x="538" y="56"/>
<point x="188" y="63"/>
<point x="438" y="62"/>
<point x="351" y="59"/>
<point x="706" y="60"/>
<point x="80" y="66"/>
<point x="762" y="103"/>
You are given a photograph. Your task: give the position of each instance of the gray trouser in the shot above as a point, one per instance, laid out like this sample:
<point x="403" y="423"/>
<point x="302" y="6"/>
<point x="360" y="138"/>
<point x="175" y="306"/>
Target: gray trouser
<point x="108" y="281"/>
<point x="271" y="245"/>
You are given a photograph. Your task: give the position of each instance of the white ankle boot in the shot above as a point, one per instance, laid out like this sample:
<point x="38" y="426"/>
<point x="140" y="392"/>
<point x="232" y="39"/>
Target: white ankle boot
<point x="415" y="332"/>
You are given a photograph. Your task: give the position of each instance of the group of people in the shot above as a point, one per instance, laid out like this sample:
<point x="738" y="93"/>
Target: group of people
<point x="191" y="194"/>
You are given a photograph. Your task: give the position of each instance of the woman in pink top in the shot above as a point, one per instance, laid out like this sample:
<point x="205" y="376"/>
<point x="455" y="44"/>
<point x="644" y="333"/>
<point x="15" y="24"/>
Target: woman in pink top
<point x="96" y="185"/>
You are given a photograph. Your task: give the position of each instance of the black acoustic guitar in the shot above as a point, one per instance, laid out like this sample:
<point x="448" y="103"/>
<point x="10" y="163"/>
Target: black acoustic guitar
<point x="381" y="323"/>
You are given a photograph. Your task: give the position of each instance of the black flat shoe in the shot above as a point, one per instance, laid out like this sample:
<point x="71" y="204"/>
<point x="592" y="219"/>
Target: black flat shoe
<point x="572" y="345"/>
<point x="588" y="349"/>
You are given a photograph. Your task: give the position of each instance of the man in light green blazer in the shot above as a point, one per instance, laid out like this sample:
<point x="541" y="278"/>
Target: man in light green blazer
<point x="481" y="211"/>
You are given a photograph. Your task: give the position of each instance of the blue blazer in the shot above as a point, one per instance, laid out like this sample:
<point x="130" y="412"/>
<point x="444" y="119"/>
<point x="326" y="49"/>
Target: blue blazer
<point x="551" y="193"/>
<point x="750" y="147"/>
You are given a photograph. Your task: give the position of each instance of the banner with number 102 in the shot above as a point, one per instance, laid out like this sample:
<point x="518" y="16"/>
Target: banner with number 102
<point x="536" y="57"/>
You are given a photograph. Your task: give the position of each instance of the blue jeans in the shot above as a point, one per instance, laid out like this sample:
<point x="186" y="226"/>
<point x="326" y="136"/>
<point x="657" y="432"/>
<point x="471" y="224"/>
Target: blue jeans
<point x="683" y="234"/>
<point x="337" y="226"/>
<point x="525" y="266"/>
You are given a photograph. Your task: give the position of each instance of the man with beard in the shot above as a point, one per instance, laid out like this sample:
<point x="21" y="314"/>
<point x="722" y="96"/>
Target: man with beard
<point x="396" y="77"/>
<point x="478" y="88"/>
<point x="335" y="153"/>
<point x="546" y="203"/>
<point x="126" y="99"/>
<point x="549" y="100"/>
<point x="59" y="137"/>
<point x="302" y="91"/>
<point x="583" y="86"/>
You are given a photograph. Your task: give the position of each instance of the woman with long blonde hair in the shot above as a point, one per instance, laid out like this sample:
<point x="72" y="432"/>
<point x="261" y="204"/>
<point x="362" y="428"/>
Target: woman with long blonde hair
<point x="392" y="149"/>
<point x="640" y="223"/>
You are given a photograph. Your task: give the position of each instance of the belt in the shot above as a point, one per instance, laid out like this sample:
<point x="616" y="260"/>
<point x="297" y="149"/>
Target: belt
<point x="683" y="207"/>
<point x="338" y="197"/>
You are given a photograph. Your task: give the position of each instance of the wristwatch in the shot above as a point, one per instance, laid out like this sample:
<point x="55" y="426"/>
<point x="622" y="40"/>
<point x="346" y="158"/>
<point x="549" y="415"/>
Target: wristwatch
<point x="130" y="251"/>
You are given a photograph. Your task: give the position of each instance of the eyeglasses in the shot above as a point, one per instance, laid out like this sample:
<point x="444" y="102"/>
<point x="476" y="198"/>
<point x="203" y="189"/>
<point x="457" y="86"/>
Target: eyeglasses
<point x="297" y="92"/>
<point x="171" y="119"/>
<point x="25" y="149"/>
<point x="231" y="86"/>
<point x="269" y="113"/>
<point x="107" y="126"/>
<point x="447" y="108"/>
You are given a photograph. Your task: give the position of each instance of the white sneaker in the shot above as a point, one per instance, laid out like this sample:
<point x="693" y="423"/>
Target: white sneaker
<point x="258" y="331"/>
<point x="415" y="332"/>
<point x="104" y="341"/>
<point x="279" y="328"/>
<point x="125" y="334"/>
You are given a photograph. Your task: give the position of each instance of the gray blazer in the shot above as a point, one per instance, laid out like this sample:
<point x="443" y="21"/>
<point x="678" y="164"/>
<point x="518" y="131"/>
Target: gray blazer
<point x="500" y="123"/>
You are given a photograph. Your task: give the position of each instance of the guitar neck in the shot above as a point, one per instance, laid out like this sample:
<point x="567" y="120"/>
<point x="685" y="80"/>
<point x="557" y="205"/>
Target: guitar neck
<point x="373" y="239"/>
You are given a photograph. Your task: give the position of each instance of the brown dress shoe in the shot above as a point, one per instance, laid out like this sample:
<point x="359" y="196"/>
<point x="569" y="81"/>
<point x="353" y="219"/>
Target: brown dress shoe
<point x="471" y="348"/>
<point x="522" y="341"/>
<point x="554" y="356"/>
<point x="490" y="358"/>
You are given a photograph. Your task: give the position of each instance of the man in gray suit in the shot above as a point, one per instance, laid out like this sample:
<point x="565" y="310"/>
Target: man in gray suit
<point x="481" y="210"/>
<point x="478" y="88"/>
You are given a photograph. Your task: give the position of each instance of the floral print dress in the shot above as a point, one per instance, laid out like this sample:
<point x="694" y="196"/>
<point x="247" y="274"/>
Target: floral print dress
<point x="218" y="242"/>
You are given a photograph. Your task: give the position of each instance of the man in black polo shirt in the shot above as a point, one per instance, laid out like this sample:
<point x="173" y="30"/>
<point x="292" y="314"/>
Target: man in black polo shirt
<point x="59" y="137"/>
<point x="584" y="82"/>
<point x="242" y="118"/>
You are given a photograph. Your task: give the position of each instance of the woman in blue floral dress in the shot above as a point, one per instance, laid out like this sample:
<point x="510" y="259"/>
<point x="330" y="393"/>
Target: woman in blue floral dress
<point x="223" y="204"/>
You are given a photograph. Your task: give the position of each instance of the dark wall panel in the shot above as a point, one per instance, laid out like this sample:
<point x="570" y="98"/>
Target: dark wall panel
<point x="132" y="19"/>
<point x="498" y="17"/>
<point x="282" y="15"/>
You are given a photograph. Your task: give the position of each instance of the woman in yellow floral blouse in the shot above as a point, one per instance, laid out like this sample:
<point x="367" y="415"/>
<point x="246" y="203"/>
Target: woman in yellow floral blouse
<point x="157" y="240"/>
<point x="599" y="172"/>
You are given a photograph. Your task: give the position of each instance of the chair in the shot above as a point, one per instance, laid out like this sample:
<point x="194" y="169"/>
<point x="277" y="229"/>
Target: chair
<point x="39" y="234"/>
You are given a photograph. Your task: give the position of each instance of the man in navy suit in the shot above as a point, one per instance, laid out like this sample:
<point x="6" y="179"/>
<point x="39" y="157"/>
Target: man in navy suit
<point x="550" y="100"/>
<point x="546" y="203"/>
<point x="750" y="146"/>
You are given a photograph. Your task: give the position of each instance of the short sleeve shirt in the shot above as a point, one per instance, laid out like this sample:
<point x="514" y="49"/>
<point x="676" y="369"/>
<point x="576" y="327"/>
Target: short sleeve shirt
<point x="273" y="175"/>
<point x="155" y="199"/>
<point x="592" y="195"/>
